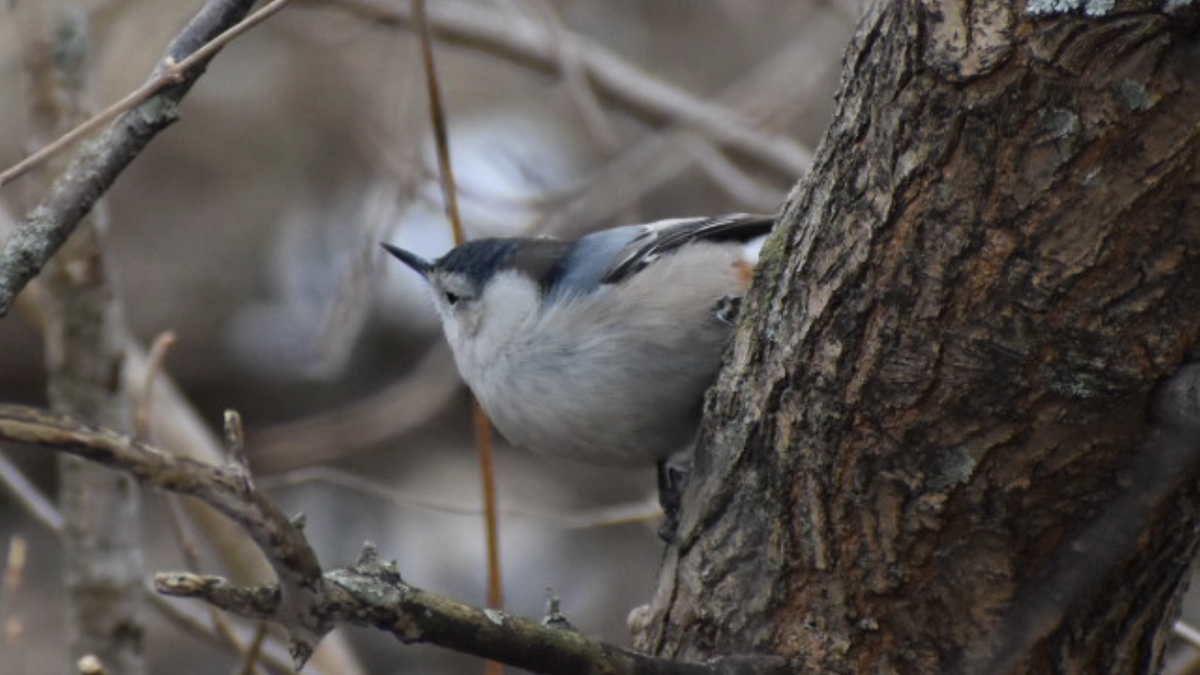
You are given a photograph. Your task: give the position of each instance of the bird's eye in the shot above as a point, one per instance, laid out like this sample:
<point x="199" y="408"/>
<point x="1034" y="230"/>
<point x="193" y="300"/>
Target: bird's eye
<point x="452" y="298"/>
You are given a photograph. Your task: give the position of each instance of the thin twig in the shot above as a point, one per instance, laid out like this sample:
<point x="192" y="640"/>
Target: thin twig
<point x="97" y="164"/>
<point x="191" y="559"/>
<point x="186" y="619"/>
<point x="483" y="426"/>
<point x="249" y="664"/>
<point x="522" y="40"/>
<point x="639" y="512"/>
<point x="1187" y="633"/>
<point x="372" y="594"/>
<point x="235" y="445"/>
<point x="437" y="114"/>
<point x="399" y="408"/>
<point x="12" y="587"/>
<point x="168" y="73"/>
<point x="291" y="556"/>
<point x="491" y="519"/>
<point x="29" y="496"/>
<point x="40" y="509"/>
<point x="144" y="398"/>
<point x="309" y="603"/>
<point x="174" y="509"/>
<point x="37" y="506"/>
<point x="662" y="156"/>
<point x="574" y="75"/>
<point x="187" y="434"/>
<point x="727" y="174"/>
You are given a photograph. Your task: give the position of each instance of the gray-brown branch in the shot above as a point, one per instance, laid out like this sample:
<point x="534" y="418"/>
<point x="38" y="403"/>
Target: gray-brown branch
<point x="527" y="43"/>
<point x="308" y="602"/>
<point x="97" y="163"/>
<point x="372" y="594"/>
<point x="225" y="489"/>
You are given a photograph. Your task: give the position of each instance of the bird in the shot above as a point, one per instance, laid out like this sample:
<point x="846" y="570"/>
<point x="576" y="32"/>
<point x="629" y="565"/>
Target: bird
<point x="600" y="349"/>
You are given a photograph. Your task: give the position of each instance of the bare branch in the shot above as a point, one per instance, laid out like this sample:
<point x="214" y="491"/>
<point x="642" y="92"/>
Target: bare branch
<point x="1187" y="633"/>
<point x="98" y="163"/>
<point x="187" y="619"/>
<point x="219" y="633"/>
<point x="527" y="42"/>
<point x="643" y="512"/>
<point x="491" y="502"/>
<point x="29" y="496"/>
<point x="141" y="410"/>
<point x="437" y="115"/>
<point x="168" y="72"/>
<point x="388" y="414"/>
<point x="597" y="122"/>
<point x="12" y="586"/>
<point x="309" y="603"/>
<point x="483" y="426"/>
<point x="372" y="594"/>
<point x="235" y="444"/>
<point x="290" y="555"/>
<point x="249" y="664"/>
<point x="662" y="156"/>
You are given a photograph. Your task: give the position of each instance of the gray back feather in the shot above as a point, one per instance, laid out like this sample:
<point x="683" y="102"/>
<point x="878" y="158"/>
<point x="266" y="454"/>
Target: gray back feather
<point x="591" y="259"/>
<point x="615" y="254"/>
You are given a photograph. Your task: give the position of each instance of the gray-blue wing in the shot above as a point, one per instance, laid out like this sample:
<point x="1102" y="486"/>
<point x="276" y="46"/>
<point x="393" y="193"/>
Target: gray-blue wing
<point x="611" y="255"/>
<point x="591" y="260"/>
<point x="656" y="239"/>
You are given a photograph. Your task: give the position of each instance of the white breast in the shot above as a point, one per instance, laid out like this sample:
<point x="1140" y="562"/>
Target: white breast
<point x="610" y="378"/>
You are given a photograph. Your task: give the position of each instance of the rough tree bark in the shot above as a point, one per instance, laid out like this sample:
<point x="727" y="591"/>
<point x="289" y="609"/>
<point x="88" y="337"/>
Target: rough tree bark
<point x="929" y="451"/>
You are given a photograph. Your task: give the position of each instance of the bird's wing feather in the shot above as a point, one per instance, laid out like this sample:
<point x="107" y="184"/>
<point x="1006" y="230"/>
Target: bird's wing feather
<point x="656" y="239"/>
<point x="590" y="259"/>
<point x="608" y="256"/>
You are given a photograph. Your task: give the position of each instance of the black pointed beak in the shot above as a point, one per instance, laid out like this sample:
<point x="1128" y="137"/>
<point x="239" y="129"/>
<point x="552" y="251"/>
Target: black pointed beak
<point x="417" y="263"/>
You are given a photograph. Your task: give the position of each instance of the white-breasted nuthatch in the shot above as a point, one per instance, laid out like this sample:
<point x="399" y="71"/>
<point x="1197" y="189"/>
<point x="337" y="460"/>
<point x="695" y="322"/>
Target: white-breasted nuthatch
<point x="600" y="349"/>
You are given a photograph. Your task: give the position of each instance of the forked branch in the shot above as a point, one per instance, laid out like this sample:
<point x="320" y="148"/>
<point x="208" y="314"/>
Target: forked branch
<point x="309" y="602"/>
<point x="98" y="163"/>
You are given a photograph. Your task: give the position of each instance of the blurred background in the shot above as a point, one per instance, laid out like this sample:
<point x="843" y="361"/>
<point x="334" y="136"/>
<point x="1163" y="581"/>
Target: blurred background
<point x="249" y="229"/>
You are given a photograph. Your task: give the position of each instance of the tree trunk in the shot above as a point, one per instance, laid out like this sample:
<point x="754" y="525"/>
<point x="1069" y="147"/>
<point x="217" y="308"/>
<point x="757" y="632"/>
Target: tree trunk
<point x="101" y="534"/>
<point x="931" y="450"/>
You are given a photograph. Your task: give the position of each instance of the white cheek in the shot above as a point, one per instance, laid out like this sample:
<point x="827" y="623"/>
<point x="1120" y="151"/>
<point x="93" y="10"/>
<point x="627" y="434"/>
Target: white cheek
<point x="484" y="333"/>
<point x="450" y="326"/>
<point x="461" y="324"/>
